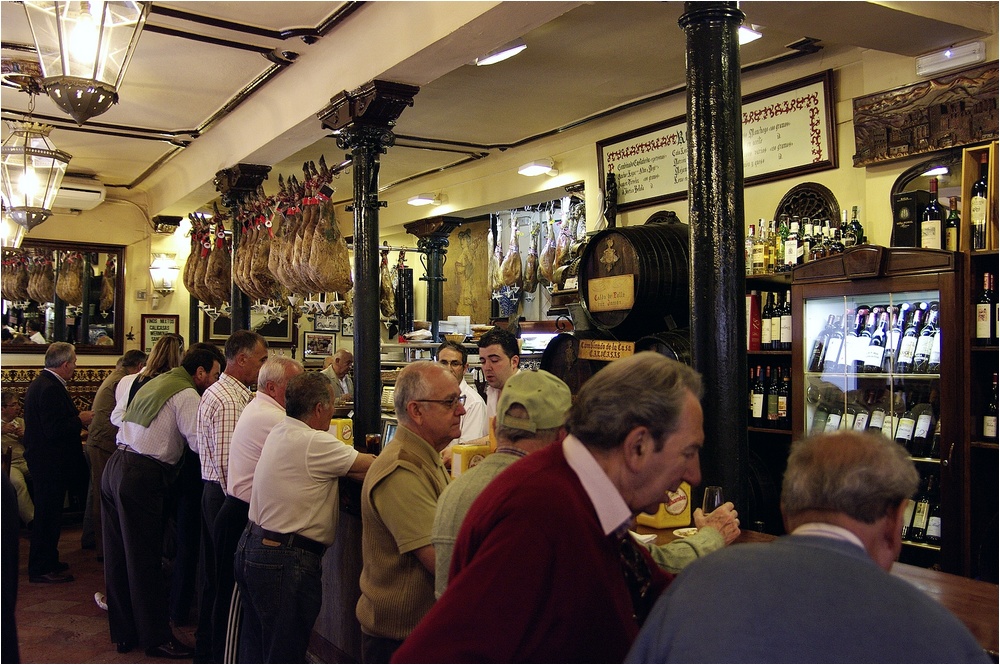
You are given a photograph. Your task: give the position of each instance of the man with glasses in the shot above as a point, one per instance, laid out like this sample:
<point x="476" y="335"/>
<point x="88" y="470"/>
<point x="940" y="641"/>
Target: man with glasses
<point x="455" y="357"/>
<point x="398" y="500"/>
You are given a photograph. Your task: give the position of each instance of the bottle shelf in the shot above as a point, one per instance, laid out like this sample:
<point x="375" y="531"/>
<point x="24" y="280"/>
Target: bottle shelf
<point x="873" y="375"/>
<point x="923" y="546"/>
<point x="987" y="445"/>
<point x="984" y="349"/>
<point x="927" y="460"/>
<point x="770" y="352"/>
<point x="771" y="278"/>
<point x="768" y="430"/>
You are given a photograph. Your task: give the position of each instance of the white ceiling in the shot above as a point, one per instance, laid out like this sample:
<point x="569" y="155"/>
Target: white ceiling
<point x="176" y="123"/>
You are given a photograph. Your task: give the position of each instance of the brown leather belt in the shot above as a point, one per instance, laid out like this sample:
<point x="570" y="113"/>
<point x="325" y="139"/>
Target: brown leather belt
<point x="288" y="539"/>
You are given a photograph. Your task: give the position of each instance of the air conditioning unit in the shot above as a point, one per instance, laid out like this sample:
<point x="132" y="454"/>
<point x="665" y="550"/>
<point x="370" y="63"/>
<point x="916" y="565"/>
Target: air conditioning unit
<point x="79" y="194"/>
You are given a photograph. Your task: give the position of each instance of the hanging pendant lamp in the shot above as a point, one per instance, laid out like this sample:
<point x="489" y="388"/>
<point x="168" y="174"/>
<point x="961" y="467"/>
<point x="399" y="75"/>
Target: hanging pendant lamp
<point x="31" y="170"/>
<point x="84" y="48"/>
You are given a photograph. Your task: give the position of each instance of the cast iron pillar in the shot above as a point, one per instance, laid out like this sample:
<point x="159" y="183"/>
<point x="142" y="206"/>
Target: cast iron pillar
<point x="715" y="199"/>
<point x="432" y="240"/>
<point x="235" y="184"/>
<point x="363" y="120"/>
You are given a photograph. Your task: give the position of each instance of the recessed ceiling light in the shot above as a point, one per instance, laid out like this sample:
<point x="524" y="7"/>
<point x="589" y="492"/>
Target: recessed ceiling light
<point x="508" y="50"/>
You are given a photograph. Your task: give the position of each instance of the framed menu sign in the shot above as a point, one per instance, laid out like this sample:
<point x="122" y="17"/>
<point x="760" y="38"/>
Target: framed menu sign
<point x="787" y="130"/>
<point x="155" y="326"/>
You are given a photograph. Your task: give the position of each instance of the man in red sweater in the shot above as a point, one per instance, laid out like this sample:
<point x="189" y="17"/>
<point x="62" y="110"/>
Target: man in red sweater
<point x="544" y="569"/>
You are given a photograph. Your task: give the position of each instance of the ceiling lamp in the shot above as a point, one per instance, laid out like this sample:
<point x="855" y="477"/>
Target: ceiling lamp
<point x="747" y="34"/>
<point x="32" y="170"/>
<point x="951" y="58"/>
<point x="85" y="48"/>
<point x="11" y="233"/>
<point x="424" y="200"/>
<point x="508" y="50"/>
<point x="539" y="167"/>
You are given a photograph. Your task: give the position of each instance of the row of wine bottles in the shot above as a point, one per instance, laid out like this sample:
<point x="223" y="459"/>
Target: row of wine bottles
<point x="922" y="515"/>
<point x="987" y="313"/>
<point x="773" y="247"/>
<point x="769" y="327"/>
<point x="940" y="230"/>
<point x="908" y="417"/>
<point x="888" y="339"/>
<point x="771" y="398"/>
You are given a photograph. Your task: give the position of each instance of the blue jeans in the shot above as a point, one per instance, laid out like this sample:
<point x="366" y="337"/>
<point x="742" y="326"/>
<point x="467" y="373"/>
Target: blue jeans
<point x="281" y="591"/>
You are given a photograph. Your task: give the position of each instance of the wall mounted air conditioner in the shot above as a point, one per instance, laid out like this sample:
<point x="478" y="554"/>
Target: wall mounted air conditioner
<point x="79" y="194"/>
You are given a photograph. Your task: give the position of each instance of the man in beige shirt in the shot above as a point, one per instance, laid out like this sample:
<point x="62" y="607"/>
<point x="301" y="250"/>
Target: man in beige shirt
<point x="398" y="502"/>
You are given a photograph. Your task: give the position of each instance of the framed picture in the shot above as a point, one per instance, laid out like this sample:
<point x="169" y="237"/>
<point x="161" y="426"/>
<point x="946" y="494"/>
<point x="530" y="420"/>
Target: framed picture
<point x="318" y="345"/>
<point x="788" y="130"/>
<point x="277" y="333"/>
<point x="347" y="328"/>
<point x="327" y="323"/>
<point x="155" y="326"/>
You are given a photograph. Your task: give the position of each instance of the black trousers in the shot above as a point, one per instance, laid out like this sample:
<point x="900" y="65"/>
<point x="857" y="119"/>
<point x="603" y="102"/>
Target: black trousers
<point x="50" y="491"/>
<point x="212" y="497"/>
<point x="229" y="526"/>
<point x="133" y="491"/>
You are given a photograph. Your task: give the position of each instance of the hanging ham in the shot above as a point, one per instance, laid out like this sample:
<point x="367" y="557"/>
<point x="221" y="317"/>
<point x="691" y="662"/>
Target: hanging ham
<point x="494" y="269"/>
<point x="510" y="269"/>
<point x="531" y="263"/>
<point x="69" y="286"/>
<point x="386" y="293"/>
<point x="108" y="285"/>
<point x="547" y="257"/>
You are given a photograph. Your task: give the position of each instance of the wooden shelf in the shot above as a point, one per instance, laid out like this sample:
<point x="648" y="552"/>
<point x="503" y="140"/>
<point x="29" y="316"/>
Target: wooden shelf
<point x="777" y="278"/>
<point x="770" y="352"/>
<point x="923" y="546"/>
<point x="986" y="445"/>
<point x="768" y="430"/>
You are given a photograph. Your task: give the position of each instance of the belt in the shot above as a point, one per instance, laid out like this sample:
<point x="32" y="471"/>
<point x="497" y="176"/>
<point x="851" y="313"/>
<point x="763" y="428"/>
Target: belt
<point x="288" y="539"/>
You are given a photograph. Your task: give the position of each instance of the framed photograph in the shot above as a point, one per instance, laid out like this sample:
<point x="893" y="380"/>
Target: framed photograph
<point x="787" y="130"/>
<point x="327" y="323"/>
<point x="277" y="333"/>
<point x="347" y="328"/>
<point x="155" y="326"/>
<point x="318" y="345"/>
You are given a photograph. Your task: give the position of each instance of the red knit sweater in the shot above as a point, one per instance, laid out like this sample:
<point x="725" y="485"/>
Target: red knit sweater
<point x="533" y="577"/>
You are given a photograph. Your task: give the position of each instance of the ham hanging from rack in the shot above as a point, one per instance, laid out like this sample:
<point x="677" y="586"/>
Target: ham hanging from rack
<point x="510" y="269"/>
<point x="547" y="257"/>
<point x="262" y="227"/>
<point x="531" y="263"/>
<point x="69" y="286"/>
<point x="494" y="271"/>
<point x="386" y="294"/>
<point x="108" y="285"/>
<point x="218" y="271"/>
<point x="197" y="261"/>
<point x="563" y="244"/>
<point x="299" y="256"/>
<point x="329" y="259"/>
<point x="16" y="278"/>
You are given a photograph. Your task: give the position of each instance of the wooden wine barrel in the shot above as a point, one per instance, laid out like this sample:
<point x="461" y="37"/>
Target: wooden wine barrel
<point x="634" y="279"/>
<point x="562" y="357"/>
<point x="674" y="344"/>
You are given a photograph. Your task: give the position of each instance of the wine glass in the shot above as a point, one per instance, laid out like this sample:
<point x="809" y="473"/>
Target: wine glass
<point x="713" y="499"/>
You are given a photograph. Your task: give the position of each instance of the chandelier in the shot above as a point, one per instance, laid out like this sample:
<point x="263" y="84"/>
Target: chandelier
<point x="84" y="48"/>
<point x="11" y="234"/>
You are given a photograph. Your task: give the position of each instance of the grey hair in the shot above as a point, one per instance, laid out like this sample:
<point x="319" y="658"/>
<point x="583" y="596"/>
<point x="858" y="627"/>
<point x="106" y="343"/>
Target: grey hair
<point x="645" y="390"/>
<point x="276" y="368"/>
<point x="242" y="341"/>
<point x="59" y="353"/>
<point x="8" y="398"/>
<point x="413" y="383"/>
<point x="304" y="392"/>
<point x="863" y="476"/>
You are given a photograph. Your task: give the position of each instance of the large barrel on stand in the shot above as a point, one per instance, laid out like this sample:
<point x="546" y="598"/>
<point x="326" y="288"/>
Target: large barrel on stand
<point x="634" y="279"/>
<point x="562" y="357"/>
<point x="674" y="344"/>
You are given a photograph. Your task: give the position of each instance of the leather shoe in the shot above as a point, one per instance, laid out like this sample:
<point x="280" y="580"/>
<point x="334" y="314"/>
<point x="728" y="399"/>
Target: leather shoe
<point x="50" y="578"/>
<point x="61" y="567"/>
<point x="171" y="649"/>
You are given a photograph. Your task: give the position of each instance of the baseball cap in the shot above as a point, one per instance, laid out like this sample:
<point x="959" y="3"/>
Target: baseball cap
<point x="545" y="397"/>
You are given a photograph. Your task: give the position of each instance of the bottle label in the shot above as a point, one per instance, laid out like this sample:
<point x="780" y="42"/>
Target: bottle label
<point x="832" y="355"/>
<point x="951" y="240"/>
<point x="791" y="251"/>
<point x="775" y="329"/>
<point x="923" y="426"/>
<point x="861" y="422"/>
<point x="786" y="329"/>
<point x="877" y="419"/>
<point x="904" y="431"/>
<point x="847" y="422"/>
<point x="857" y="347"/>
<point x="757" y="259"/>
<point x="772" y="407"/>
<point x="977" y="210"/>
<point x="930" y="234"/>
<point x="924" y="346"/>
<point x="990" y="427"/>
<point x="935" y="360"/>
<point x="920" y="515"/>
<point x="832" y="422"/>
<point x="983" y="321"/>
<point x="907" y="349"/>
<point x="887" y="426"/>
<point x="908" y="516"/>
<point x="765" y="333"/>
<point x="758" y="405"/>
<point x="934" y="527"/>
<point x="782" y="407"/>
<point x="874" y="357"/>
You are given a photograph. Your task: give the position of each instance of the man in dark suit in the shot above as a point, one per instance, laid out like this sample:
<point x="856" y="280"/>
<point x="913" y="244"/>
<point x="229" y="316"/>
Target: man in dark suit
<point x="52" y="446"/>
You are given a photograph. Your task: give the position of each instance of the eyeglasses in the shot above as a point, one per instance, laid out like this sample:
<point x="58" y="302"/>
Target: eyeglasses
<point x="451" y="402"/>
<point x="451" y="363"/>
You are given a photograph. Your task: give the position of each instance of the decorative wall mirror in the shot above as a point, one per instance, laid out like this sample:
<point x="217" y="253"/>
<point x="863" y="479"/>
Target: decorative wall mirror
<point x="63" y="292"/>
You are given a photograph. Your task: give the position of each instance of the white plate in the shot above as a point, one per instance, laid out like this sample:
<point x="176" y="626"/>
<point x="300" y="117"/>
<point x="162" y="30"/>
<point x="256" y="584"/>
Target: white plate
<point x="685" y="532"/>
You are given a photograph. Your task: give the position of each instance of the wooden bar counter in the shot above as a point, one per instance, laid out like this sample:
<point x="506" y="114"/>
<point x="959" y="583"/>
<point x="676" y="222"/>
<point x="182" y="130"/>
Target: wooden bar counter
<point x="976" y="603"/>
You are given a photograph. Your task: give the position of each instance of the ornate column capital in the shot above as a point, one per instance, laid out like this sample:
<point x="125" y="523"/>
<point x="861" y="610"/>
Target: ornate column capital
<point x="238" y="182"/>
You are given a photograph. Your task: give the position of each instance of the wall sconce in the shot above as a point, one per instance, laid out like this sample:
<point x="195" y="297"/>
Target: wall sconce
<point x="163" y="271"/>
<point x="508" y="50"/>
<point x="85" y="48"/>
<point x="539" y="167"/>
<point x="425" y="199"/>
<point x="951" y="58"/>
<point x="747" y="34"/>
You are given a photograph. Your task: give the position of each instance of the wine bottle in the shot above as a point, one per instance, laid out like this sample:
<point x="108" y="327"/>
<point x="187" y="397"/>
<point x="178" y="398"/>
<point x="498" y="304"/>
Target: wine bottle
<point x="863" y="412"/>
<point x="757" y="408"/>
<point x="893" y="415"/>
<point x="765" y="322"/>
<point x="785" y="325"/>
<point x="904" y="428"/>
<point x="757" y="258"/>
<point x="806" y="240"/>
<point x="911" y="505"/>
<point x="896" y="315"/>
<point x="921" y="513"/>
<point x="933" y="534"/>
<point x="990" y="414"/>
<point x="769" y="256"/>
<point x="925" y="341"/>
<point x="835" y="410"/>
<point x="832" y="356"/>
<point x="793" y="252"/>
<point x="776" y="311"/>
<point x="932" y="221"/>
<point x="821" y="414"/>
<point x="934" y="363"/>
<point x="819" y="345"/>
<point x="837" y="244"/>
<point x="784" y="394"/>
<point x="908" y="343"/>
<point x="880" y="412"/>
<point x="876" y="346"/>
<point x="856" y="228"/>
<point x="935" y="449"/>
<point x="846" y="232"/>
<point x="856" y="341"/>
<point x="779" y="244"/>
<point x="978" y="207"/>
<point x="772" y="396"/>
<point x="748" y="250"/>
<point x="923" y="428"/>
<point x="952" y="226"/>
<point x="986" y="333"/>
